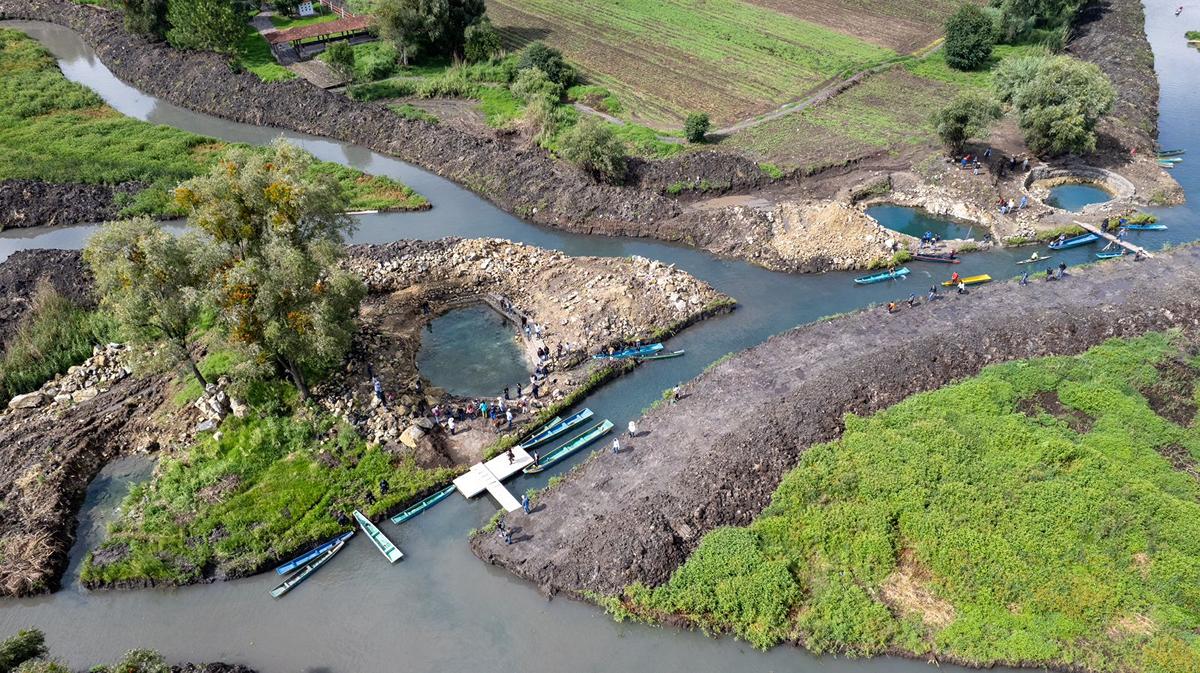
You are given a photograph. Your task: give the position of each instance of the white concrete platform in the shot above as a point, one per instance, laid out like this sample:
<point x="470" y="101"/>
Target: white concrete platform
<point x="487" y="477"/>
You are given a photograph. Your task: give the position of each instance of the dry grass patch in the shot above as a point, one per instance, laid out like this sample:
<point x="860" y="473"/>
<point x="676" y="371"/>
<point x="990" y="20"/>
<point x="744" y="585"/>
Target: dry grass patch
<point x="906" y="591"/>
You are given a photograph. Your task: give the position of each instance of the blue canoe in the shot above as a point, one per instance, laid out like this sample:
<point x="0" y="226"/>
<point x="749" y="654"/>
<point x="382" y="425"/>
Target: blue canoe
<point x="630" y="352"/>
<point x="880" y="277"/>
<point x="576" y="443"/>
<point x="423" y="505"/>
<point x="307" y="570"/>
<point x="1145" y="227"/>
<point x="312" y="554"/>
<point x="549" y="432"/>
<point x="1109" y="255"/>
<point x="1074" y="242"/>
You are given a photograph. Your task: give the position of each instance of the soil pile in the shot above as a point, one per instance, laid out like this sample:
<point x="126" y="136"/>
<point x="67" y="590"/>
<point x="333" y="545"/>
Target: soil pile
<point x="835" y="235"/>
<point x="29" y="203"/>
<point x="714" y="457"/>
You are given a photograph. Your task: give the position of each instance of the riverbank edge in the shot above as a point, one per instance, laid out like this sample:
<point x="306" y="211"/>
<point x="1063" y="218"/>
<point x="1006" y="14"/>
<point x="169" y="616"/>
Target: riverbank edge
<point x="636" y="519"/>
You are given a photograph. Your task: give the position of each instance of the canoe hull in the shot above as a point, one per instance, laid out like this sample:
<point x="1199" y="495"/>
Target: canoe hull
<point x="881" y="277"/>
<point x="576" y="443"/>
<point x="664" y="356"/>
<point x="307" y="570"/>
<point x="551" y="431"/>
<point x="1146" y="227"/>
<point x="969" y="280"/>
<point x="629" y="353"/>
<point x="423" y="505"/>
<point x="312" y="554"/>
<point x="1109" y="255"/>
<point x="1075" y="242"/>
<point x="1035" y="261"/>
<point x="937" y="259"/>
<point x="390" y="551"/>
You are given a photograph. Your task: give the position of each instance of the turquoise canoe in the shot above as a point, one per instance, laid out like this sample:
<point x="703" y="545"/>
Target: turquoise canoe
<point x="307" y="570"/>
<point x="423" y="505"/>
<point x="630" y="352"/>
<point x="555" y="429"/>
<point x="1171" y="153"/>
<point x="663" y="356"/>
<point x="312" y="554"/>
<point x="576" y="443"/>
<point x="1109" y="255"/>
<point x="880" y="277"/>
<point x="381" y="542"/>
<point x="1145" y="227"/>
<point x="1074" y="241"/>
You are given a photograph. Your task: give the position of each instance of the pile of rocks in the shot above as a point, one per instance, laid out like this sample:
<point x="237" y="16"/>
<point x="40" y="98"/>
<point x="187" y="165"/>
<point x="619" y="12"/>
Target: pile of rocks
<point x="81" y="382"/>
<point x="838" y="235"/>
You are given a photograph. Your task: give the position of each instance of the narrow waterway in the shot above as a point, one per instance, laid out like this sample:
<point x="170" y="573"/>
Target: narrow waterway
<point x="441" y="609"/>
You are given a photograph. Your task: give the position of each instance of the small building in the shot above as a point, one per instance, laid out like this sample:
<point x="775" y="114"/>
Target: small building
<point x="308" y="41"/>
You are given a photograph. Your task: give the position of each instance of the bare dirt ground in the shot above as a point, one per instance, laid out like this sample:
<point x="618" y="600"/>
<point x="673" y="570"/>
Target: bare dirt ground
<point x="902" y="25"/>
<point x="714" y="457"/>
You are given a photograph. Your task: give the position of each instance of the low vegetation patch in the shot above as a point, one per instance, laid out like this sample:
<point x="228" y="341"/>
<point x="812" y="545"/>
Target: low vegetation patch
<point x="53" y="335"/>
<point x="55" y="130"/>
<point x="954" y="525"/>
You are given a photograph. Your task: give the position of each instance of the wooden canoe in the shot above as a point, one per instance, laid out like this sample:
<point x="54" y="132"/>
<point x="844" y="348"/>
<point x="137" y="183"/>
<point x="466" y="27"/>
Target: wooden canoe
<point x="381" y="542"/>
<point x="576" y="443"/>
<point x="1034" y="260"/>
<point x="312" y="554"/>
<point x="1145" y="227"/>
<point x="880" y="277"/>
<point x="969" y="280"/>
<point x="423" y="505"/>
<point x="555" y="429"/>
<point x="307" y="569"/>
<point x="663" y="356"/>
<point x="939" y="259"/>
<point x="1109" y="255"/>
<point x="1075" y="241"/>
<point x="629" y="352"/>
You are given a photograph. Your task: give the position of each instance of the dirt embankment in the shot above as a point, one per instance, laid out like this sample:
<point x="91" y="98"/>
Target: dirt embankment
<point x="574" y="306"/>
<point x="23" y="270"/>
<point x="714" y="457"/>
<point x="30" y="203"/>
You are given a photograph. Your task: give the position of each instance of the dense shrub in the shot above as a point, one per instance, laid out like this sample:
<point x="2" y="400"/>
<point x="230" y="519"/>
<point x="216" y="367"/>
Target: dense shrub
<point x="1059" y="100"/>
<point x="211" y="25"/>
<point x="481" y="41"/>
<point x="25" y="645"/>
<point x="970" y="35"/>
<point x="549" y="61"/>
<point x="592" y="146"/>
<point x="968" y="116"/>
<point x="696" y="126"/>
<point x="340" y="57"/>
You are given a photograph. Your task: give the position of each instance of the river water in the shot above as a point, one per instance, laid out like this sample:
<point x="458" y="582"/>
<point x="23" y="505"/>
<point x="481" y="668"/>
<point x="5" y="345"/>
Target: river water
<point x="440" y="609"/>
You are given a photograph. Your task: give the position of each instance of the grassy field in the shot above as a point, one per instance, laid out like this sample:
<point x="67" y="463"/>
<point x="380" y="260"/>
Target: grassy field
<point x="729" y="58"/>
<point x="1043" y="512"/>
<point x="56" y="130"/>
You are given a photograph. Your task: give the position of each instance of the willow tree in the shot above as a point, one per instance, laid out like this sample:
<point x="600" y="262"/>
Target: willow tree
<point x="277" y="229"/>
<point x="152" y="283"/>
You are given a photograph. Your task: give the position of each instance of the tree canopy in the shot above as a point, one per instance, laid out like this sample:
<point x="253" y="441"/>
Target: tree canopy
<point x="970" y="36"/>
<point x="968" y="116"/>
<point x="214" y="25"/>
<point x="1058" y="99"/>
<point x="481" y="41"/>
<point x="411" y="24"/>
<point x="696" y="126"/>
<point x="592" y="146"/>
<point x="549" y="60"/>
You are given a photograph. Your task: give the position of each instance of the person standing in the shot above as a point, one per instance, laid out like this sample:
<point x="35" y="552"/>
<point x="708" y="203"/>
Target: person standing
<point x="616" y="445"/>
<point x="525" y="502"/>
<point x="378" y="388"/>
<point x="632" y="429"/>
<point x="450" y="425"/>
<point x="508" y="416"/>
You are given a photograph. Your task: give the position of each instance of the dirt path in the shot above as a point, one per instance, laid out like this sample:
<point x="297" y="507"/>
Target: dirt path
<point x="714" y="458"/>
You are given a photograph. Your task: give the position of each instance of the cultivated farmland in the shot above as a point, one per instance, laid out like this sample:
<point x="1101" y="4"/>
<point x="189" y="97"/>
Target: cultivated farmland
<point x="902" y="25"/>
<point x="729" y="58"/>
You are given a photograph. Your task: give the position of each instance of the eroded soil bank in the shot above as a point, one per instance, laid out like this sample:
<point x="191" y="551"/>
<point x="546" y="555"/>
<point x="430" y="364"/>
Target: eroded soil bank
<point x="714" y="457"/>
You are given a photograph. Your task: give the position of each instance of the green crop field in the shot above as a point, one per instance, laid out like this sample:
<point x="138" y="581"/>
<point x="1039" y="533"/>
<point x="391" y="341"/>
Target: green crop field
<point x="1045" y="512"/>
<point x="729" y="58"/>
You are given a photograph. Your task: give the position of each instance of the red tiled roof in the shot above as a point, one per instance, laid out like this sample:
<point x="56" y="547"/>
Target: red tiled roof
<point x="350" y="24"/>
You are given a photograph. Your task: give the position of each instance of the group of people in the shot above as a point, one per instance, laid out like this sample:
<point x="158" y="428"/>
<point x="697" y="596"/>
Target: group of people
<point x="1010" y="206"/>
<point x="1062" y="273"/>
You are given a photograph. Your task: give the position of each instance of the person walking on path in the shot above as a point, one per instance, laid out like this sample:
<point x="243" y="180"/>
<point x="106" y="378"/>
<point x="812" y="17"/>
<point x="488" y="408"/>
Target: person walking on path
<point x="1025" y="278"/>
<point x="508" y="417"/>
<point x="525" y="502"/>
<point x="616" y="445"/>
<point x="675" y="394"/>
<point x="632" y="429"/>
<point x="1062" y="270"/>
<point x="507" y="536"/>
<point x="511" y="456"/>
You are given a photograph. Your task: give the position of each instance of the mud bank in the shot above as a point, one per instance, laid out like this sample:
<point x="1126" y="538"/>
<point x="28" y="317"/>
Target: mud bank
<point x="21" y="273"/>
<point x="714" y="457"/>
<point x="30" y="203"/>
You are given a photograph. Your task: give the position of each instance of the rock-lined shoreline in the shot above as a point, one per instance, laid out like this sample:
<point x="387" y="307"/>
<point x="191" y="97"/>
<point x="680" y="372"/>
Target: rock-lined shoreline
<point x="715" y="457"/>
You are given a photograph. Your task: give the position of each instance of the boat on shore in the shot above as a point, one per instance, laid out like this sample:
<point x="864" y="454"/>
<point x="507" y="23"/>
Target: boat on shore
<point x="554" y="429"/>
<point x="307" y="569"/>
<point x="574" y="444"/>
<point x="1074" y="241"/>
<point x="880" y="277"/>
<point x="1034" y="258"/>
<point x="423" y="505"/>
<point x="390" y="551"/>
<point x="968" y="280"/>
<point x="629" y="352"/>
<point x="1145" y="227"/>
<point x="939" y="258"/>
<point x="663" y="356"/>
<point x="312" y="553"/>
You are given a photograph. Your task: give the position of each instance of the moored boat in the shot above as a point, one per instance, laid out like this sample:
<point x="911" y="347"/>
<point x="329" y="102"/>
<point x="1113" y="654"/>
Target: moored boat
<point x="629" y="352"/>
<point x="574" y="444"/>
<point x="1034" y="258"/>
<point x="939" y="258"/>
<point x="307" y="569"/>
<point x="1145" y="227"/>
<point x="312" y="553"/>
<point x="968" y="280"/>
<point x="1110" y="255"/>
<point x="555" y="429"/>
<point x="880" y="277"/>
<point x="1074" y="241"/>
<point x="663" y="356"/>
<point x="1171" y="153"/>
<point x="1166" y="164"/>
<point x="423" y="505"/>
<point x="390" y="551"/>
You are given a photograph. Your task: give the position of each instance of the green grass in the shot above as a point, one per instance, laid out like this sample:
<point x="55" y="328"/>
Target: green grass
<point x="770" y="170"/>
<point x="55" y="130"/>
<point x="410" y="111"/>
<point x="266" y="489"/>
<point x="499" y="106"/>
<point x="1192" y="35"/>
<point x="971" y="522"/>
<point x="54" y="335"/>
<point x="596" y="97"/>
<point x="286" y="22"/>
<point x="254" y="54"/>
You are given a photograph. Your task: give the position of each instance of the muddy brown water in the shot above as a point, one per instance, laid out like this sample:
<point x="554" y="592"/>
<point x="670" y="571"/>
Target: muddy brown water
<point x="441" y="609"/>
